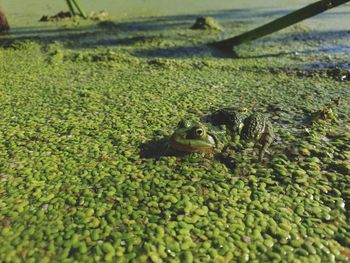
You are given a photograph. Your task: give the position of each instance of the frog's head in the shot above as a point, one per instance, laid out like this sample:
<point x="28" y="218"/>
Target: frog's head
<point x="191" y="136"/>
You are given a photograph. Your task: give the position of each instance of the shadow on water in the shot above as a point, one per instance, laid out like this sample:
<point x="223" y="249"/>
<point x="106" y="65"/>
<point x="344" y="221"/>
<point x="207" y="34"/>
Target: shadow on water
<point x="327" y="65"/>
<point x="49" y="32"/>
<point x="154" y="148"/>
<point x="145" y="32"/>
<point x="184" y="52"/>
<point x="204" y="49"/>
<point x="157" y="148"/>
<point x="314" y="35"/>
<point x="336" y="49"/>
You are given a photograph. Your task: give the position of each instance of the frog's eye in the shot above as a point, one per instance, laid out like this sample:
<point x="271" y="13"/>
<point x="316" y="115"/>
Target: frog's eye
<point x="199" y="132"/>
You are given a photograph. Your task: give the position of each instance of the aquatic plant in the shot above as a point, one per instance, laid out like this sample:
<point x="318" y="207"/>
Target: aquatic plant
<point x="74" y="186"/>
<point x="74" y="4"/>
<point x="278" y="24"/>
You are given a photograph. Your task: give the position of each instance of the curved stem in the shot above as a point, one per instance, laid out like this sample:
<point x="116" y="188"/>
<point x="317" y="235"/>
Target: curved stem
<point x="81" y="11"/>
<point x="280" y="23"/>
<point x="70" y="6"/>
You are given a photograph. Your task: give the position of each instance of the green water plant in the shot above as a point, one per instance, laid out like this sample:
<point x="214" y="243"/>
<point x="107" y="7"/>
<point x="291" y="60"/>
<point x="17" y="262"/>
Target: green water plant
<point x="74" y="186"/>
<point x="75" y="8"/>
<point x="206" y="23"/>
<point x="278" y="24"/>
<point x="326" y="113"/>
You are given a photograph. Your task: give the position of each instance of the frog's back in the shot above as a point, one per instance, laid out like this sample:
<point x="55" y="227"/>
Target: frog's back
<point x="229" y="117"/>
<point x="253" y="127"/>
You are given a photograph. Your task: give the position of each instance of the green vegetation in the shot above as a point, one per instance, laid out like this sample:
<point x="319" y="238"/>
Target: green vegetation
<point x="80" y="179"/>
<point x="206" y="23"/>
<point x="74" y="183"/>
<point x="74" y="4"/>
<point x="280" y="23"/>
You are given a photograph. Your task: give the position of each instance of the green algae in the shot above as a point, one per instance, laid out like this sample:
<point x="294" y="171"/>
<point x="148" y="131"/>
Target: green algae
<point x="71" y="167"/>
<point x="75" y="186"/>
<point x="206" y="23"/>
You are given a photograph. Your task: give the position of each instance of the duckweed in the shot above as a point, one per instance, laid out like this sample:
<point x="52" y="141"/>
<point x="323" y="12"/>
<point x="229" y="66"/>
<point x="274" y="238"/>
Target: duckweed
<point x="83" y="177"/>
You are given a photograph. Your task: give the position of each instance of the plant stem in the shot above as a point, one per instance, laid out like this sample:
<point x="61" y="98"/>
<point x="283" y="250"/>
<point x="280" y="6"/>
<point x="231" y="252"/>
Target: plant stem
<point x="278" y="24"/>
<point x="71" y="8"/>
<point x="81" y="11"/>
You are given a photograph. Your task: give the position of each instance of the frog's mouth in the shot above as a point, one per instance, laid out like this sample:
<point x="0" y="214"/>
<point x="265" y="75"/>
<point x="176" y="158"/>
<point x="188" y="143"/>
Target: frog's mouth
<point x="196" y="140"/>
<point x="190" y="145"/>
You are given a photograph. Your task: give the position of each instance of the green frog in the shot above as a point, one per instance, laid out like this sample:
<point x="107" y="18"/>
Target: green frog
<point x="258" y="129"/>
<point x="232" y="118"/>
<point x="192" y="136"/>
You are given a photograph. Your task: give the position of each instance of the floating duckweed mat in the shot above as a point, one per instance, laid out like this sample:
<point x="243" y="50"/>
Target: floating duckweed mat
<point x="76" y="185"/>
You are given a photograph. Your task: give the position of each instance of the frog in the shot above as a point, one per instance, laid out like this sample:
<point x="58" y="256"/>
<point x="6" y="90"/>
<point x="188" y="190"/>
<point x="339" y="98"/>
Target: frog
<point x="257" y="128"/>
<point x="232" y="118"/>
<point x="253" y="127"/>
<point x="195" y="137"/>
<point x="217" y="135"/>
